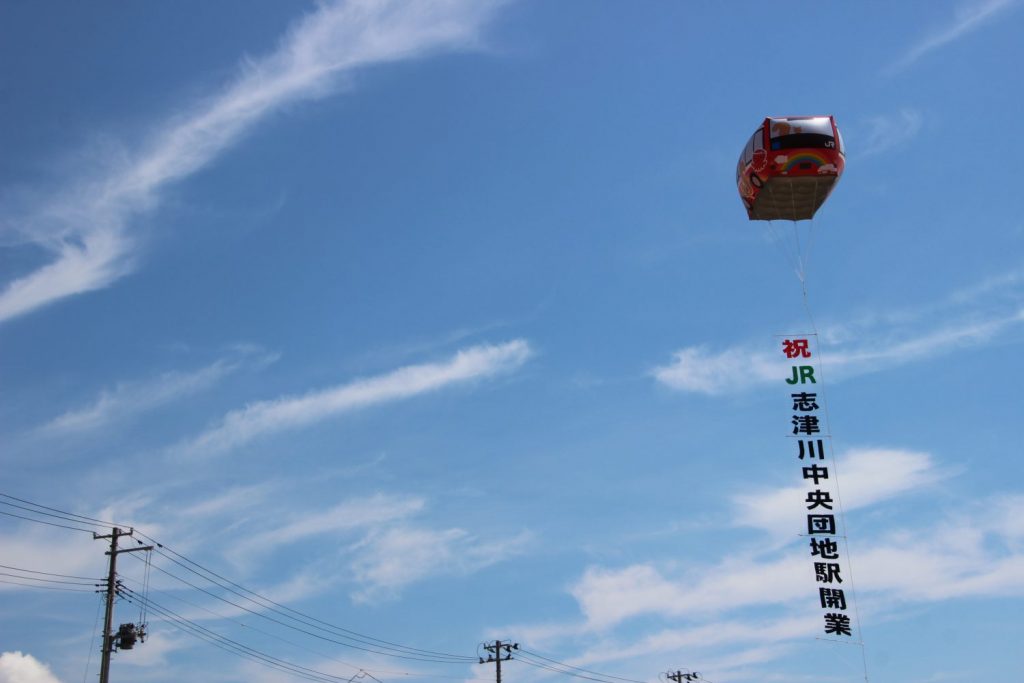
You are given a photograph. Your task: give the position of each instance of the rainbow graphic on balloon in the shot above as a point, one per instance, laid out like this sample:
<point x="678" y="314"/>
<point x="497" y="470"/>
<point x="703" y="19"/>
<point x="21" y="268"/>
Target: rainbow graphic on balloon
<point x="804" y="158"/>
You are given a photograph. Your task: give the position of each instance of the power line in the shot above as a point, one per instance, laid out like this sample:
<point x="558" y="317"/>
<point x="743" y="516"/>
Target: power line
<point x="386" y="648"/>
<point x="92" y="639"/>
<point x="52" y="588"/>
<point x="100" y="522"/>
<point x="540" y="665"/>
<point x="289" y="642"/>
<point x="376" y="645"/>
<point x="63" y="517"/>
<point x="577" y="668"/>
<point x="279" y="622"/>
<point x="228" y="646"/>
<point x="257" y="629"/>
<point x="63" y="576"/>
<point x="360" y="637"/>
<point x="232" y="645"/>
<point x="41" y="521"/>
<point x="295" y="620"/>
<point x="39" y="578"/>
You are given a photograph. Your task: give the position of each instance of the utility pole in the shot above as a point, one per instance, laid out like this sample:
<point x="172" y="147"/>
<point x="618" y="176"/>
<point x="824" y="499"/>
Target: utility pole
<point x="108" y="637"/>
<point x="496" y="655"/>
<point x="680" y="676"/>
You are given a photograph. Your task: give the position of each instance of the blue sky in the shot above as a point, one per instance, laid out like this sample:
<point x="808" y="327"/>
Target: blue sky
<point x="443" y="322"/>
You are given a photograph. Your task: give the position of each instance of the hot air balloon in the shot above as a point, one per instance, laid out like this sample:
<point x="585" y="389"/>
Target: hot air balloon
<point x="789" y="166"/>
<point x="786" y="171"/>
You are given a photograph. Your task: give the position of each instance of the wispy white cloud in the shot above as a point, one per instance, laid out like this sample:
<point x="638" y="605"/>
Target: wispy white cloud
<point x="392" y="559"/>
<point x="868" y="476"/>
<point x="129" y="399"/>
<point x="610" y="596"/>
<point x="387" y="548"/>
<point x="961" y="557"/>
<point x="738" y="368"/>
<point x="292" y="412"/>
<point x="16" y="667"/>
<point x="90" y="259"/>
<point x="979" y="551"/>
<point x="158" y="646"/>
<point x="231" y="502"/>
<point x="86" y="227"/>
<point x="354" y="514"/>
<point x="969" y="17"/>
<point x="699" y="369"/>
<point x="857" y="348"/>
<point x="1002" y="285"/>
<point x="718" y="648"/>
<point x="32" y="548"/>
<point x="736" y="633"/>
<point x="885" y="132"/>
<point x="752" y="604"/>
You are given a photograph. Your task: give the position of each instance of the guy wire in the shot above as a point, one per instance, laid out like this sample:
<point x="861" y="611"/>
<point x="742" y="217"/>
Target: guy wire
<point x="92" y="639"/>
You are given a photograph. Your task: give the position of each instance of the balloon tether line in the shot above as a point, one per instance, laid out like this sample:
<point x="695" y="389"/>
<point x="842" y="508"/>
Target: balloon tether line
<point x="779" y="239"/>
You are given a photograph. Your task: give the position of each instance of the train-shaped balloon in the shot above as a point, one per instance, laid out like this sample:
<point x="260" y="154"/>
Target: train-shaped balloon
<point x="789" y="166"/>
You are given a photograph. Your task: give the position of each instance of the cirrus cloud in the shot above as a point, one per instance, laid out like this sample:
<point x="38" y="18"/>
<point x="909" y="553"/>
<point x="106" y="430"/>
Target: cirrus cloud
<point x="968" y="18"/>
<point x="86" y="226"/>
<point x="292" y="412"/>
<point x="972" y="317"/>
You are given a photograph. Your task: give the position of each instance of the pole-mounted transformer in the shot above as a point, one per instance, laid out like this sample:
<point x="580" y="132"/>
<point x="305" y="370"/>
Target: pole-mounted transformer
<point x="128" y="634"/>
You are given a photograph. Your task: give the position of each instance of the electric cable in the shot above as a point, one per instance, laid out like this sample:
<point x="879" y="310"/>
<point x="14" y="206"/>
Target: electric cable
<point x="145" y="583"/>
<point x="65" y="518"/>
<point x="63" y="576"/>
<point x="285" y="640"/>
<point x="577" y="668"/>
<point x="100" y="522"/>
<point x="235" y="646"/>
<point x="52" y="588"/>
<point x="292" y="626"/>
<point x="92" y="639"/>
<point x="252" y="628"/>
<point x="397" y="650"/>
<point x="540" y="665"/>
<point x="35" y="578"/>
<point x="375" y="645"/>
<point x="224" y="643"/>
<point x="40" y="521"/>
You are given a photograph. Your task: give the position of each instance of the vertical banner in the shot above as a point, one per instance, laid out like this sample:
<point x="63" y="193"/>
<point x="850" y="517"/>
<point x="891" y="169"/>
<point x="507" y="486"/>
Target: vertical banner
<point x="811" y="449"/>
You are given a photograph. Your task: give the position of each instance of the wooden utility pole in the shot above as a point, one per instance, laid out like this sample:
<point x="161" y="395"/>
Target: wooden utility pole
<point x="680" y="676"/>
<point x="497" y="657"/>
<point x="108" y="636"/>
